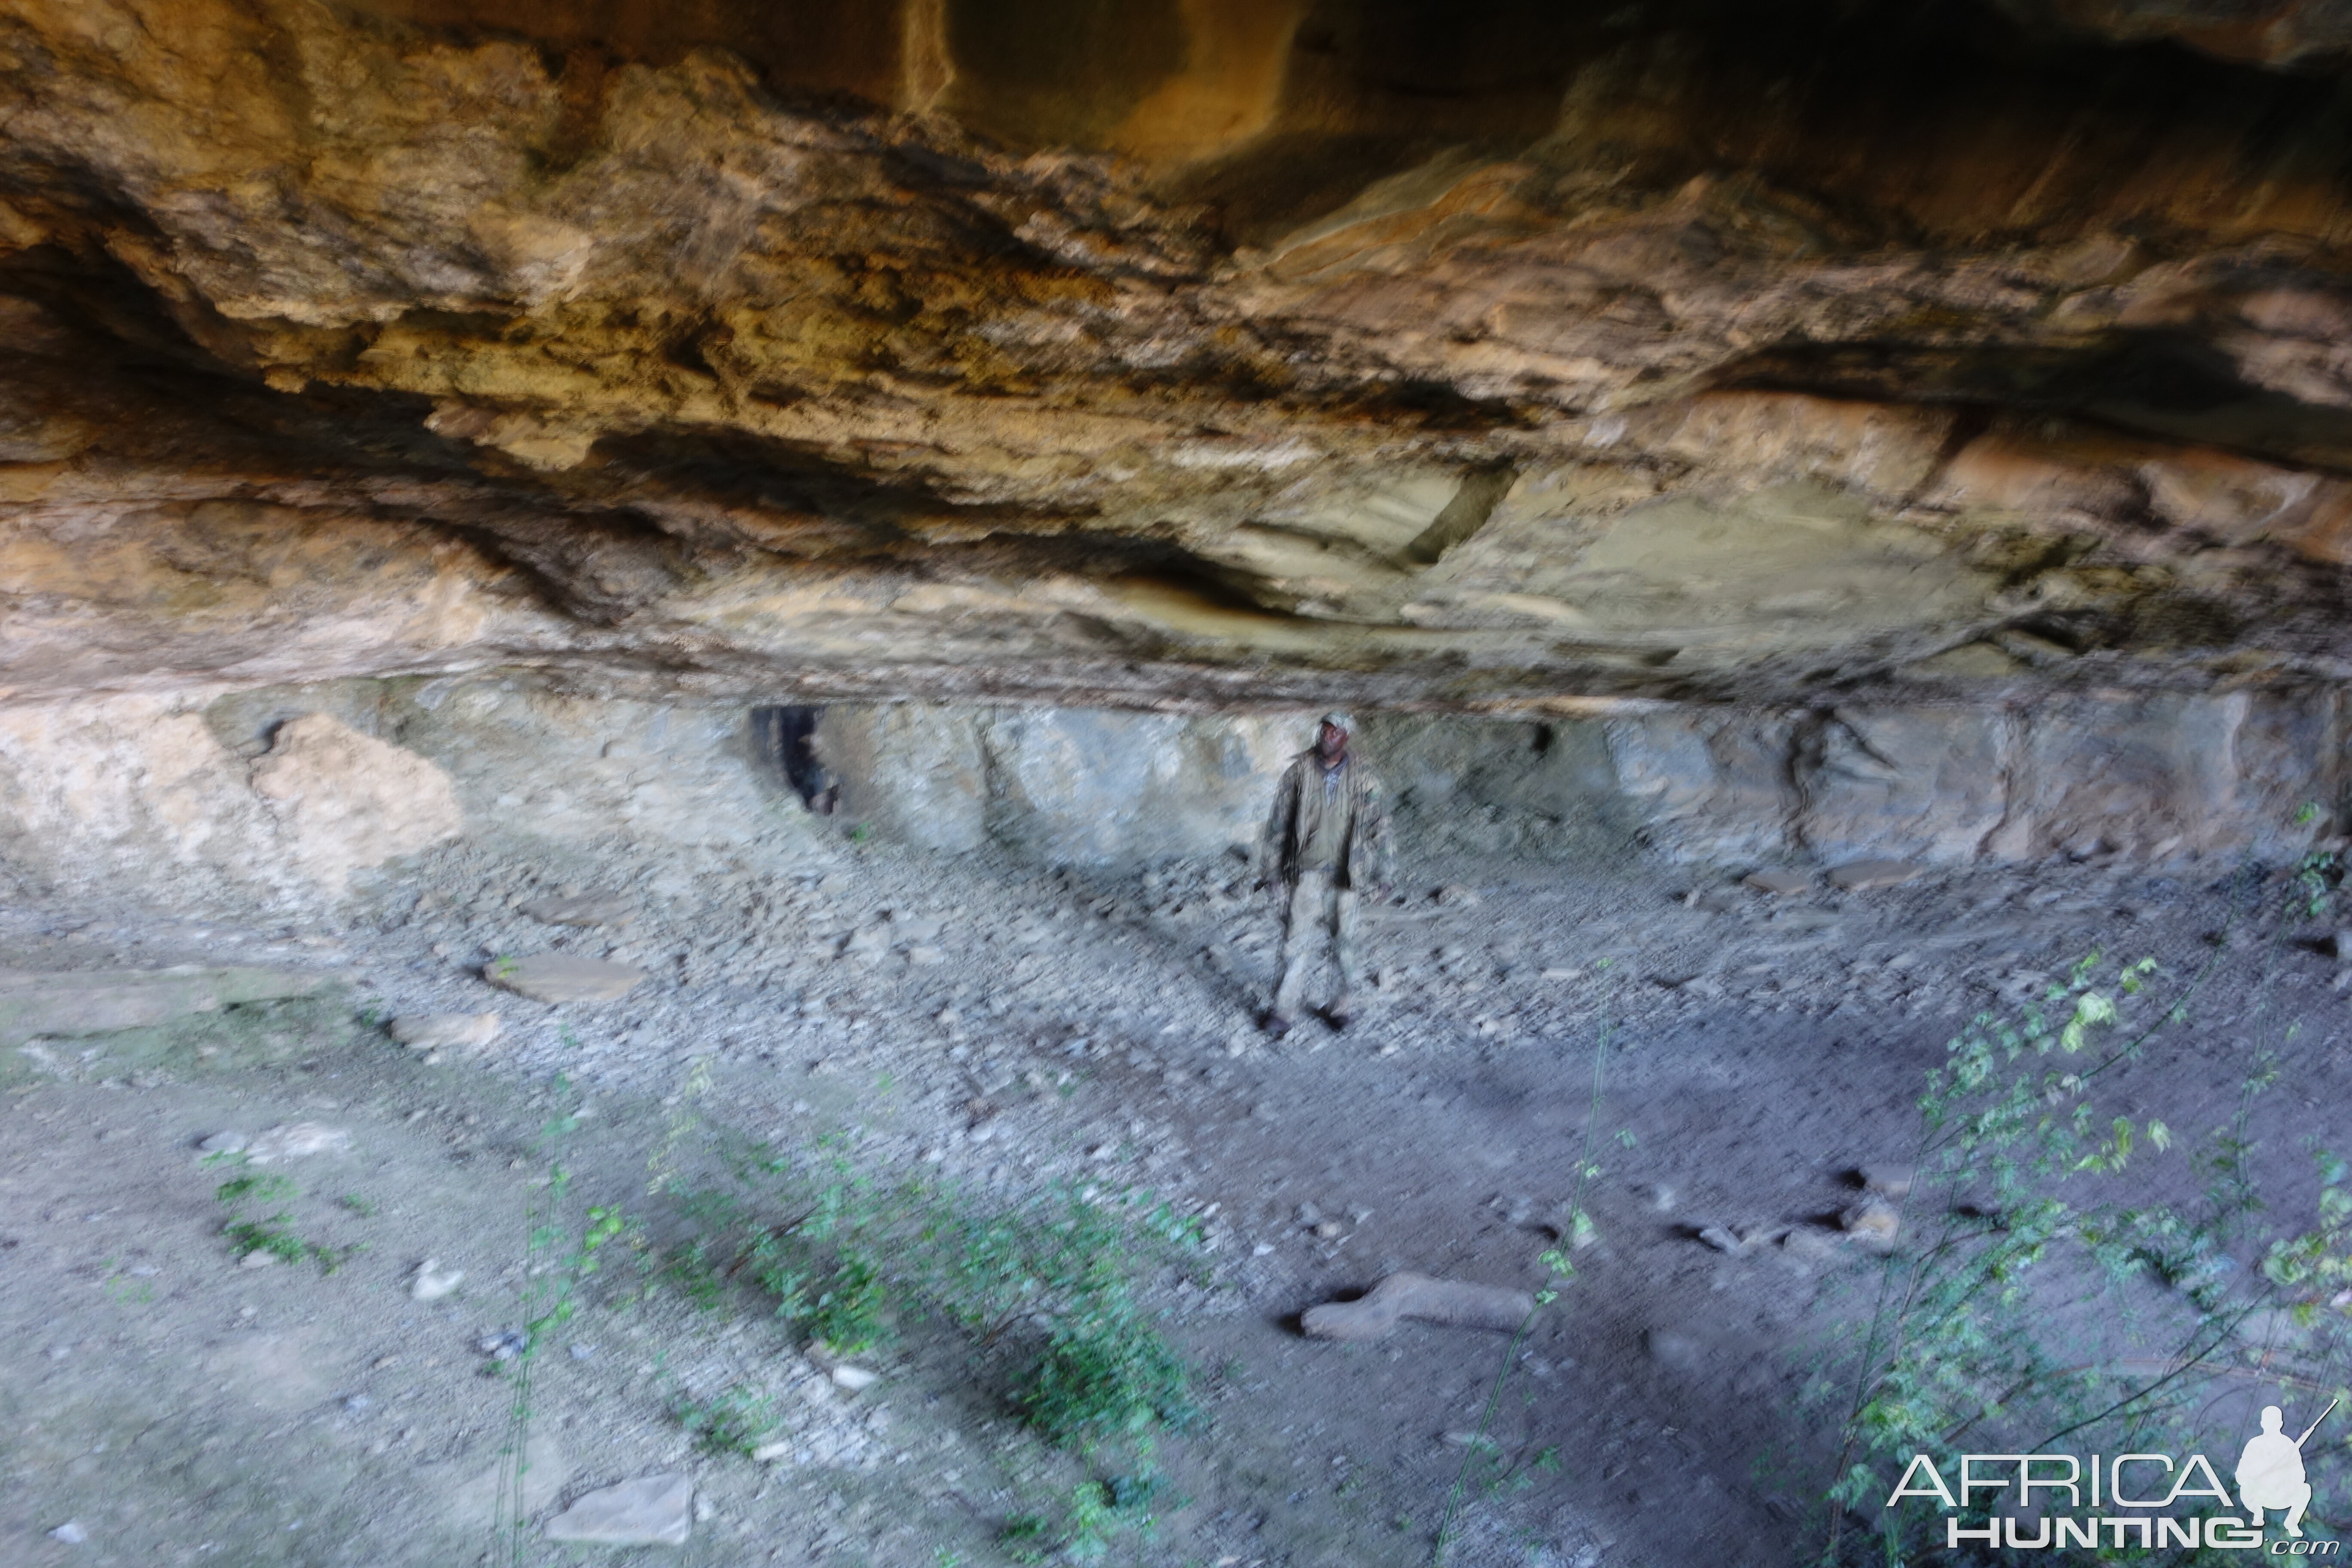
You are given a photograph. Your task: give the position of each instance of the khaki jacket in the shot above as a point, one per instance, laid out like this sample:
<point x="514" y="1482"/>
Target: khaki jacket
<point x="1365" y="857"/>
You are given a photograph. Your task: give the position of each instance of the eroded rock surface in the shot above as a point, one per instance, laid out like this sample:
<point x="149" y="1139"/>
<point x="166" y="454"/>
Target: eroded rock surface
<point x="1704" y="352"/>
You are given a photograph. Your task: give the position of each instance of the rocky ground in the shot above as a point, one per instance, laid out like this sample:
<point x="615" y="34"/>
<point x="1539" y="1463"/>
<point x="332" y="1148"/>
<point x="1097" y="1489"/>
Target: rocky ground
<point x="1725" y="1056"/>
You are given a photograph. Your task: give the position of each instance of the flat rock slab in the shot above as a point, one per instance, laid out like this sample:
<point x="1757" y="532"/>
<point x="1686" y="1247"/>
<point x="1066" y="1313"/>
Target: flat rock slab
<point x="582" y="910"/>
<point x="445" y="1031"/>
<point x="652" y="1510"/>
<point x="291" y="1141"/>
<point x="103" y="1001"/>
<point x="1778" y="879"/>
<point x="1449" y="1303"/>
<point x="297" y="1141"/>
<point x="1862" y="876"/>
<point x="561" y="977"/>
<point x="473" y="1501"/>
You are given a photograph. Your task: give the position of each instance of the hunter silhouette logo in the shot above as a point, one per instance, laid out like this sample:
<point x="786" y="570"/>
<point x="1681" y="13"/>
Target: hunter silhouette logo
<point x="2270" y="1472"/>
<point x="2131" y="1500"/>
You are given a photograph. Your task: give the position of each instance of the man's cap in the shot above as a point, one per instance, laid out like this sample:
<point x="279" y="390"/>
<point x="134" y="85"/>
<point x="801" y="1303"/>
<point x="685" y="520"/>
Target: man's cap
<point x="1339" y="719"/>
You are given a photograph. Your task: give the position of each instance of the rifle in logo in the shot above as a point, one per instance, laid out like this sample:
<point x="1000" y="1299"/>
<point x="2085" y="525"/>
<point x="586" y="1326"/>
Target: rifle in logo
<point x="2270" y="1472"/>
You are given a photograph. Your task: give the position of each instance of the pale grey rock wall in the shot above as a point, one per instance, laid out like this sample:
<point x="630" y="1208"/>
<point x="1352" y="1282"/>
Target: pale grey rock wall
<point x="1916" y="784"/>
<point x="134" y="794"/>
<point x="2163" y="777"/>
<point x="1071" y="786"/>
<point x="2157" y="777"/>
<point x="290" y="795"/>
<point x="532" y="763"/>
<point x="1065" y="786"/>
<point x="913" y="772"/>
<point x="294" y="794"/>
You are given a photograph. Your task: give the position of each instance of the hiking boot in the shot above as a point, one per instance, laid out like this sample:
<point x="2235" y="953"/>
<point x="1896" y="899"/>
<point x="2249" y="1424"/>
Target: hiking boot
<point x="1339" y="1013"/>
<point x="1275" y="1025"/>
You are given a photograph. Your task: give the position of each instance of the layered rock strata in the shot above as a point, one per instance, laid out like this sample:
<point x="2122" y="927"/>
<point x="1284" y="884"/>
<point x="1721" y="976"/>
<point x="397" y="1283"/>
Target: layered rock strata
<point x="1476" y="362"/>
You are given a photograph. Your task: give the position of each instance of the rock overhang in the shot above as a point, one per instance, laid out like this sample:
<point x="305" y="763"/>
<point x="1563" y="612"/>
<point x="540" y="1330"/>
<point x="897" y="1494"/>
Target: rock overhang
<point x="424" y="339"/>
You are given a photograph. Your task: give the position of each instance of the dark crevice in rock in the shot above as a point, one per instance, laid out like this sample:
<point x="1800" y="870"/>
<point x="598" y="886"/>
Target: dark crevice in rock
<point x="2153" y="383"/>
<point x="1465" y="515"/>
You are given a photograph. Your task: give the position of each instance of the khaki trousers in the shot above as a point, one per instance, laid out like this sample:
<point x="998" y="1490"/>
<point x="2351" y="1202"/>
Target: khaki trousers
<point x="1318" y="903"/>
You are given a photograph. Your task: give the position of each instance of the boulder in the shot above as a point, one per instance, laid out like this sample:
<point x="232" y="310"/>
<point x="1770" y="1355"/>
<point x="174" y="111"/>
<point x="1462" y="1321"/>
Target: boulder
<point x="432" y="1281"/>
<point x="1449" y="1303"/>
<point x="344" y="801"/>
<point x="1887" y="1181"/>
<point x="1873" y="1222"/>
<point x="297" y="1141"/>
<point x="652" y="1510"/>
<point x="559" y="978"/>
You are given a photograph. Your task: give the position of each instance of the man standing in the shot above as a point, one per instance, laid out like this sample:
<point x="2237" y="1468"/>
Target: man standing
<point x="1327" y="842"/>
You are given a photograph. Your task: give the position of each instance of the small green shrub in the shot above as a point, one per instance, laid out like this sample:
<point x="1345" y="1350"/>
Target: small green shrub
<point x="733" y="1422"/>
<point x="1996" y="1323"/>
<point x="1093" y="1516"/>
<point x="1048" y="1285"/>
<point x="695" y="1274"/>
<point x="273" y="1235"/>
<point x="1108" y="1381"/>
<point x="848" y="1314"/>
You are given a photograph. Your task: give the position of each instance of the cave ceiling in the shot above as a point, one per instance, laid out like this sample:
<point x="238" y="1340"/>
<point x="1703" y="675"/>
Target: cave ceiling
<point x="1474" y="356"/>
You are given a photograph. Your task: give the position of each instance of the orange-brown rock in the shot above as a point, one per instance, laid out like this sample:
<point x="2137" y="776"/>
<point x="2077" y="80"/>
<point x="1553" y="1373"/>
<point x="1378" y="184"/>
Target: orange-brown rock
<point x="1173" y="353"/>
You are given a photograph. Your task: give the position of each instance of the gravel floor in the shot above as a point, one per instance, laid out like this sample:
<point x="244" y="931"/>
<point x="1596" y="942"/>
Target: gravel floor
<point x="1726" y="1057"/>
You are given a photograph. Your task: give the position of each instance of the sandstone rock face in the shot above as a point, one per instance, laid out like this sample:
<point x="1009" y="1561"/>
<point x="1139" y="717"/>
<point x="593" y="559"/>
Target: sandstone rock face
<point x="344" y="800"/>
<point x="132" y="791"/>
<point x="914" y="772"/>
<point x="1076" y="787"/>
<point x="162" y="798"/>
<point x="2151" y="777"/>
<point x="1588" y="356"/>
<point x="1961" y="445"/>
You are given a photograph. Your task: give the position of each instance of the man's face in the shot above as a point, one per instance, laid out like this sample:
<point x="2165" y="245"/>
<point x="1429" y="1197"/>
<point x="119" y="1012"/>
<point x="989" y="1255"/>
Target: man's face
<point x="1330" y="741"/>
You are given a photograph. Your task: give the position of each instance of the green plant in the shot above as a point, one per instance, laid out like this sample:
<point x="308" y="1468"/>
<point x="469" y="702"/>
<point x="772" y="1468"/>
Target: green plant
<point x="127" y="1290"/>
<point x="2017" y="1234"/>
<point x="1105" y="1380"/>
<point x="1046" y="1287"/>
<point x="846" y="1315"/>
<point x="732" y="1422"/>
<point x="555" y="1266"/>
<point x="273" y="1235"/>
<point x="2007" y="1132"/>
<point x="1094" y="1515"/>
